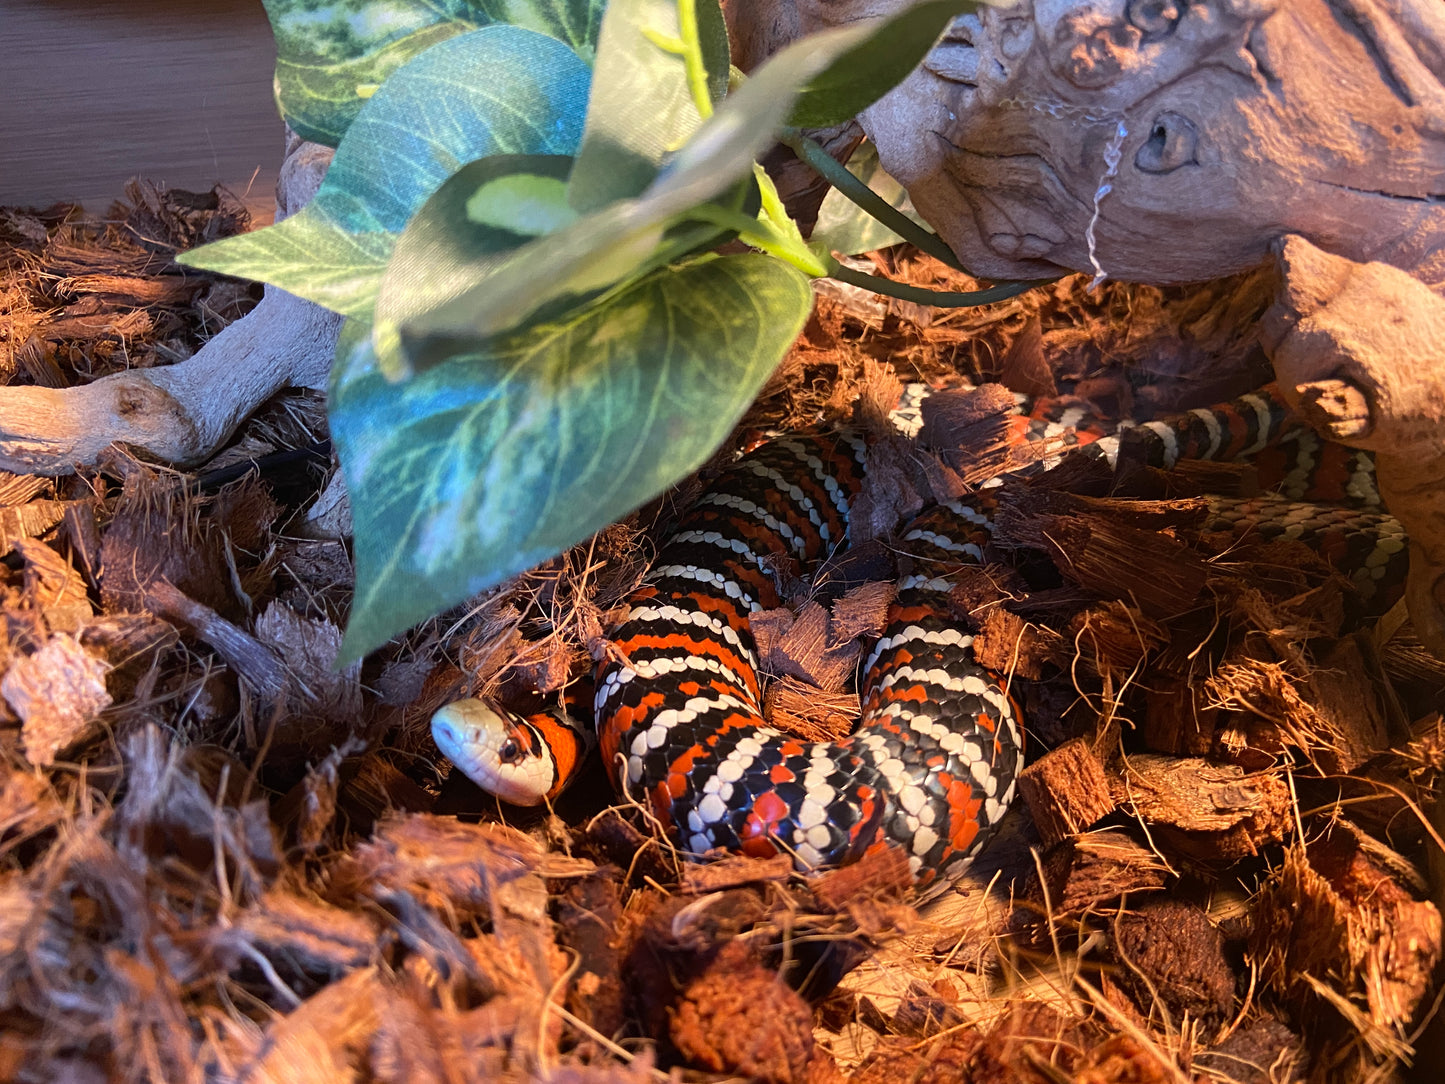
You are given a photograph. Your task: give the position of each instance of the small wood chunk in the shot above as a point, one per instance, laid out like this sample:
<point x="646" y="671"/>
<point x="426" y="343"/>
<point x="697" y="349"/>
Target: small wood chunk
<point x="1336" y="909"/>
<point x="1086" y="871"/>
<point x="1113" y="637"/>
<point x="733" y="871"/>
<point x="57" y="692"/>
<point x="882" y="873"/>
<point x="740" y="1018"/>
<point x="1343" y="693"/>
<point x="1066" y="791"/>
<point x="888" y="496"/>
<point x="863" y="611"/>
<point x="54" y="587"/>
<point x="1007" y="644"/>
<point x="1206" y="811"/>
<point x="1169" y="949"/>
<point x="1261" y="1052"/>
<point x="806" y="651"/>
<point x="28" y="521"/>
<point x="1179" y="719"/>
<point x="798" y="708"/>
<point x="588" y="914"/>
<point x="1114" y="548"/>
<point x="318" y="935"/>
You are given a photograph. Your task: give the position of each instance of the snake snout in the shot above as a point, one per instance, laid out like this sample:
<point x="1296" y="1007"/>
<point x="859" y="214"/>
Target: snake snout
<point x="451" y="734"/>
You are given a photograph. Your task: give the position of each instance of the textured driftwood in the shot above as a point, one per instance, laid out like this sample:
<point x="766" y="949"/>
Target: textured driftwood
<point x="183" y="413"/>
<point x="1216" y="126"/>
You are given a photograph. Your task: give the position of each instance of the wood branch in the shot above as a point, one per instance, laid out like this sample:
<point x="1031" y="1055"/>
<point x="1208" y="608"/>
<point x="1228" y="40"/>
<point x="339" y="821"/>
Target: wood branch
<point x="1359" y="349"/>
<point x="183" y="413"/>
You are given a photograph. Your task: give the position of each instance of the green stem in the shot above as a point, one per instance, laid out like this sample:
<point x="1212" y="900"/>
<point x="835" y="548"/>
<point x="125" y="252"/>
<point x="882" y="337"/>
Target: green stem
<point x="692" y="57"/>
<point x="764" y="236"/>
<point x="917" y="294"/>
<point x="772" y="204"/>
<point x="840" y="178"/>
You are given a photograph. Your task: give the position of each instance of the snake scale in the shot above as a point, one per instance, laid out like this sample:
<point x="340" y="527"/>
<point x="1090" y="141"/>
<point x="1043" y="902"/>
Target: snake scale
<point x="933" y="763"/>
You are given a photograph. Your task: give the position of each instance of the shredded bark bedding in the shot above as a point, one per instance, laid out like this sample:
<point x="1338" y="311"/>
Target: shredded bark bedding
<point x="224" y="859"/>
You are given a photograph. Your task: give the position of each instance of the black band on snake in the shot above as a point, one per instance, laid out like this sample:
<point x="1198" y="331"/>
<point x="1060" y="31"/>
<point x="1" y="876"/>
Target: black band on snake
<point x="933" y="763"/>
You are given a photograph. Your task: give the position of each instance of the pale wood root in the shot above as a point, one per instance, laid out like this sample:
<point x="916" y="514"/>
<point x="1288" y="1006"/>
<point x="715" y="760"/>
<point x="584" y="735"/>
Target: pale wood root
<point x="183" y="413"/>
<point x="1359" y="349"/>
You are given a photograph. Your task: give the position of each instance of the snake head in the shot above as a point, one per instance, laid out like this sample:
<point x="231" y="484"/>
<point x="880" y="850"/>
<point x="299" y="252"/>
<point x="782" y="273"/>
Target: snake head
<point x="496" y="750"/>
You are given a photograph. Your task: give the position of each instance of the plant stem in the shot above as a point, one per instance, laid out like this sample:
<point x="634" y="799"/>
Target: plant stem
<point x="692" y="56"/>
<point x="764" y="236"/>
<point x="939" y="299"/>
<point x="838" y="176"/>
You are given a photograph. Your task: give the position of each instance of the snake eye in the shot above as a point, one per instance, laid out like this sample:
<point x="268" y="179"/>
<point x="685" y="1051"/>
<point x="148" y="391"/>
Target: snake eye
<point x="510" y="752"/>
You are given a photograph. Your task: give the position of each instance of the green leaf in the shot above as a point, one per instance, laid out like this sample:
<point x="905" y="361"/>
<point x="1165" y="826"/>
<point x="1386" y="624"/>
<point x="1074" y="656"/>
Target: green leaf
<point x="332" y="55"/>
<point x="444" y="251"/>
<point x="641" y="109"/>
<point x="878" y="63"/>
<point x="522" y="203"/>
<point x="498" y="90"/>
<point x="502" y="457"/>
<point x="628" y="235"/>
<point x="845" y="227"/>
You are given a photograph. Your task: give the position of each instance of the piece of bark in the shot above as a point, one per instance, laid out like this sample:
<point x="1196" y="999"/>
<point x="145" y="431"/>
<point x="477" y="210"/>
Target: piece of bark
<point x="798" y="708"/>
<point x="880" y="874"/>
<point x="1334" y="909"/>
<point x="1262" y="1051"/>
<point x="29" y="520"/>
<point x="1332" y="716"/>
<point x="323" y="1038"/>
<point x="314" y="935"/>
<point x="54" y="587"/>
<point x="80" y="535"/>
<point x="1170" y="950"/>
<point x="57" y="692"/>
<point x="610" y="837"/>
<point x="309" y="649"/>
<point x="805" y="651"/>
<point x="734" y="871"/>
<point x="1086" y="871"/>
<point x="157" y="535"/>
<point x="860" y="612"/>
<point x="1024" y="367"/>
<point x="1158" y="574"/>
<point x="1007" y="644"/>
<point x="1179" y="718"/>
<point x="447" y="865"/>
<point x="1066" y="790"/>
<point x="1209" y="812"/>
<point x="1114" y="638"/>
<point x="1343" y="691"/>
<point x="28" y="806"/>
<point x="889" y="496"/>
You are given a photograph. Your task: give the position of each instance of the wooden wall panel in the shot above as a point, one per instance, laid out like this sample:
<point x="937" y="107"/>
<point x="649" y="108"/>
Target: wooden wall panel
<point x="93" y="92"/>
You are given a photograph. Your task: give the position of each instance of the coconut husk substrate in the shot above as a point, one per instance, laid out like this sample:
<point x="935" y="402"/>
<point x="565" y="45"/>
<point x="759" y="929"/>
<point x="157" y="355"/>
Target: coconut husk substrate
<point x="225" y="859"/>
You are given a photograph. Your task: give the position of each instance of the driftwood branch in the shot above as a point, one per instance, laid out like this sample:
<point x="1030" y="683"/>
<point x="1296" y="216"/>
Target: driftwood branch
<point x="1359" y="348"/>
<point x="183" y="413"/>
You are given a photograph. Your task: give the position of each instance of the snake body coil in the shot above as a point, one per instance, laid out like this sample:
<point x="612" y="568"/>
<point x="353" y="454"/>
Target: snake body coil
<point x="934" y="761"/>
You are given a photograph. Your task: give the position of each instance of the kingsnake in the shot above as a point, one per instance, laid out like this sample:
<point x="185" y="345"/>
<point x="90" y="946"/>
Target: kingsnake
<point x="933" y="764"/>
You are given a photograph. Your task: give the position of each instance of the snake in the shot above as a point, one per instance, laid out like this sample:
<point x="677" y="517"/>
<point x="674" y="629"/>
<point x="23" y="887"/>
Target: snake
<point x="933" y="763"/>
